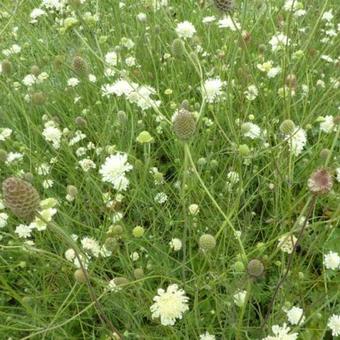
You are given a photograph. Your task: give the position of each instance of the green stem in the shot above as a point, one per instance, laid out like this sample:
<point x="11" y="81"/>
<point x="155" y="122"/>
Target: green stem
<point x="226" y="218"/>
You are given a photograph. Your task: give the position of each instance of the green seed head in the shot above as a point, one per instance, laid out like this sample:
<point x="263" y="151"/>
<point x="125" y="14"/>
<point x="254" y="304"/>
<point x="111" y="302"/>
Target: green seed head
<point x="178" y="48"/>
<point x="79" y="276"/>
<point x="287" y="127"/>
<point x="207" y="242"/>
<point x="6" y="67"/>
<point x="138" y="231"/>
<point x="72" y="190"/>
<point x="38" y="98"/>
<point x="138" y="273"/>
<point x="3" y="155"/>
<point x="79" y="66"/>
<point x="255" y="268"/>
<point x="35" y="70"/>
<point x="324" y="153"/>
<point x="184" y="124"/>
<point x="244" y="150"/>
<point x="80" y="121"/>
<point x="111" y="244"/>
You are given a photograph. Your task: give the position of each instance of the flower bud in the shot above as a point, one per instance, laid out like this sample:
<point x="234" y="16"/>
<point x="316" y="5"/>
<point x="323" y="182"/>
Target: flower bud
<point x="207" y="242"/>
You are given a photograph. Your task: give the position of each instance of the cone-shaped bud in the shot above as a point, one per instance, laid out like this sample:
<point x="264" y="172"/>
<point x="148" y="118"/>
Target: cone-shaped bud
<point x="79" y="66"/>
<point x="178" y="48"/>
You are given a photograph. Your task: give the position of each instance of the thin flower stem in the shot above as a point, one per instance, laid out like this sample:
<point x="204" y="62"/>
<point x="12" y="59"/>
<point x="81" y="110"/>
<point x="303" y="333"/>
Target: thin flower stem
<point x="104" y="319"/>
<point x="311" y="204"/>
<point x="226" y="218"/>
<point x="185" y="234"/>
<point x="243" y="309"/>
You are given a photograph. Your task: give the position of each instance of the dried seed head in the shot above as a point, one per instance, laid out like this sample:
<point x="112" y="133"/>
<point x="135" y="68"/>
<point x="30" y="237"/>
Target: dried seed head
<point x="6" y="67"/>
<point x="79" y="65"/>
<point x="184" y="124"/>
<point x="320" y="182"/>
<point x="111" y="244"/>
<point x="20" y="197"/>
<point x="291" y="81"/>
<point x="224" y="5"/>
<point x="207" y="242"/>
<point x="255" y="268"/>
<point x="287" y="127"/>
<point x="38" y="98"/>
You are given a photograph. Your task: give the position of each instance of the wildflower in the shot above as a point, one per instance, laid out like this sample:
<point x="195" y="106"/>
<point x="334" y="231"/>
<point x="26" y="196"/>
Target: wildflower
<point x="86" y="164"/>
<point x="295" y="315"/>
<point x="297" y="141"/>
<point x="52" y="134"/>
<point x="3" y="220"/>
<point x="144" y="138"/>
<point x="13" y="157"/>
<point x="134" y="256"/>
<point x="114" y="169"/>
<point x="36" y="13"/>
<point x="227" y="22"/>
<point x="29" y="80"/>
<point x="331" y="260"/>
<point x="40" y="223"/>
<point x="111" y="58"/>
<point x="73" y="82"/>
<point x="5" y="134"/>
<point x="175" y="244"/>
<point x="287" y="243"/>
<point x="207" y="336"/>
<point x="278" y="41"/>
<point x="212" y="89"/>
<point x="240" y="298"/>
<point x="185" y="29"/>
<point x="251" y="92"/>
<point x="281" y="333"/>
<point x="327" y="124"/>
<point x="23" y="230"/>
<point x="328" y="16"/>
<point x="161" y="198"/>
<point x="337" y="170"/>
<point x="251" y="130"/>
<point x="334" y="324"/>
<point x="320" y="182"/>
<point x="268" y="68"/>
<point x="194" y="209"/>
<point x="91" y="245"/>
<point x="70" y="254"/>
<point x="169" y="305"/>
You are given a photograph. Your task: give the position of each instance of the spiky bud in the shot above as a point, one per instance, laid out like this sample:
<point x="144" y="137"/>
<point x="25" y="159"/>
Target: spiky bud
<point x="138" y="273"/>
<point x="244" y="150"/>
<point x="185" y="105"/>
<point x="224" y="5"/>
<point x="79" y="66"/>
<point x="20" y="197"/>
<point x="320" y="182"/>
<point x="38" y="98"/>
<point x="6" y="67"/>
<point x="184" y="124"/>
<point x="79" y="276"/>
<point x="58" y="62"/>
<point x="287" y="127"/>
<point x="177" y="48"/>
<point x="207" y="242"/>
<point x="255" y="268"/>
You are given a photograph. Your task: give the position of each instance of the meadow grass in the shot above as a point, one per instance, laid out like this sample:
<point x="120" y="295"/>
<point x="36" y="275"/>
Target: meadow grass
<point x="250" y="188"/>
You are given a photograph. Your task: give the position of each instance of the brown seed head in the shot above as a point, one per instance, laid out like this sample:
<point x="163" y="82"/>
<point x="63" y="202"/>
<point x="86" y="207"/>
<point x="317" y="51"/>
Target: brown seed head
<point x="20" y="197"/>
<point x="184" y="124"/>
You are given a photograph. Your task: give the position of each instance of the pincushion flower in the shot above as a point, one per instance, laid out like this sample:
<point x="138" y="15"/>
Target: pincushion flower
<point x="114" y="169"/>
<point x="169" y="305"/>
<point x="185" y="29"/>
